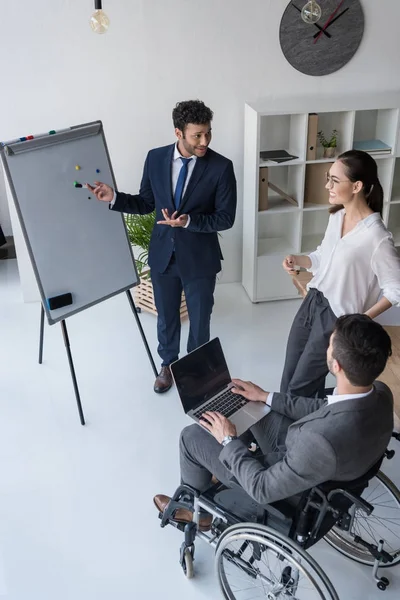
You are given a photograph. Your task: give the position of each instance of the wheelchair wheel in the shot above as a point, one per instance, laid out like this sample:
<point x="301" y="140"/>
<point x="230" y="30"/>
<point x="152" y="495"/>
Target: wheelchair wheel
<point x="382" y="524"/>
<point x="188" y="564"/>
<point x="254" y="561"/>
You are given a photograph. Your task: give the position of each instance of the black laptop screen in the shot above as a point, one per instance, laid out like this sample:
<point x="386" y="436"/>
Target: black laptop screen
<point x="201" y="374"/>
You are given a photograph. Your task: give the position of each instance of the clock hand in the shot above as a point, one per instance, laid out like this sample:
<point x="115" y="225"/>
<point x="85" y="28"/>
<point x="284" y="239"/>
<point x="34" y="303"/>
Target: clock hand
<point x="316" y="24"/>
<point x="328" y="21"/>
<point x="333" y="20"/>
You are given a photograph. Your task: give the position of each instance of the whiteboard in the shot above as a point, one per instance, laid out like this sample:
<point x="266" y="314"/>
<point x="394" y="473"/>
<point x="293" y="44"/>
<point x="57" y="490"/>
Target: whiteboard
<point x="76" y="244"/>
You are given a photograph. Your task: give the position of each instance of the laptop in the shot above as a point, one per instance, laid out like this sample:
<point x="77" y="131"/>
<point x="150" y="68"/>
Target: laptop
<point x="203" y="382"/>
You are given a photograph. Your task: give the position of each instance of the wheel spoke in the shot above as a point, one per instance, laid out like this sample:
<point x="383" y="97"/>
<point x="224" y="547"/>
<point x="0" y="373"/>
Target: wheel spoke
<point x="382" y="523"/>
<point x="284" y="570"/>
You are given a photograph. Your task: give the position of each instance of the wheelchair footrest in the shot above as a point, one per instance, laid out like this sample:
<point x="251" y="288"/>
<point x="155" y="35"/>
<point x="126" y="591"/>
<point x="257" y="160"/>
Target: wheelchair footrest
<point x="176" y="524"/>
<point x="172" y="507"/>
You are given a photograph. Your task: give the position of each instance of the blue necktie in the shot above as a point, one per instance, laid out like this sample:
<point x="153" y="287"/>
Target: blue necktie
<point x="180" y="184"/>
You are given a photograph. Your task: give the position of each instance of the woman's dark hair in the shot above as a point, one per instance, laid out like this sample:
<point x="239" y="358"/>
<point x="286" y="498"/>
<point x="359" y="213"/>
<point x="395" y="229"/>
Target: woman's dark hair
<point x="360" y="166"/>
<point x="191" y="111"/>
<point x="362" y="347"/>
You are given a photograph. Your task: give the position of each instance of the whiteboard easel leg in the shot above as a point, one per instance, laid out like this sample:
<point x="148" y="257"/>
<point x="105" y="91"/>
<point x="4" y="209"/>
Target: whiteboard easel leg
<point x="41" y="334"/>
<point x="138" y="323"/>
<point x="72" y="369"/>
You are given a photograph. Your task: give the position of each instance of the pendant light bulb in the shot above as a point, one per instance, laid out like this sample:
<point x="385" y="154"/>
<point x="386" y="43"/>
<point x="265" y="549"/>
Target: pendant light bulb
<point x="311" y="12"/>
<point x="99" y="22"/>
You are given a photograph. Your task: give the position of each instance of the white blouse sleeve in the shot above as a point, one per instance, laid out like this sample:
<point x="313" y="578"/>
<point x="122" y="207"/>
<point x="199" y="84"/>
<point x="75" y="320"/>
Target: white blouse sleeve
<point x="385" y="263"/>
<point x="315" y="258"/>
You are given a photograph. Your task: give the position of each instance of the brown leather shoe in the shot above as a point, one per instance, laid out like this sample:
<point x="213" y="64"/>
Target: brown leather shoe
<point x="163" y="381"/>
<point x="182" y="515"/>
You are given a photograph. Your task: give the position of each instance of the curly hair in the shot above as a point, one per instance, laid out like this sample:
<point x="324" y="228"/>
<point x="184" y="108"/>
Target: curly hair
<point x="191" y="111"/>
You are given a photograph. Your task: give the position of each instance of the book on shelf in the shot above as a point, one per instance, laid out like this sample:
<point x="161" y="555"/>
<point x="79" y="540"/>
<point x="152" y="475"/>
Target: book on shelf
<point x="372" y="146"/>
<point x="276" y="156"/>
<point x="379" y="153"/>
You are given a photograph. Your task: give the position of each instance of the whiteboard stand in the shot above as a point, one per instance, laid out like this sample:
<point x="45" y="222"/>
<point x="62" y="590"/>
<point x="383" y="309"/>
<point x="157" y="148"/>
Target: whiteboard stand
<point x="79" y="249"/>
<point x="69" y="354"/>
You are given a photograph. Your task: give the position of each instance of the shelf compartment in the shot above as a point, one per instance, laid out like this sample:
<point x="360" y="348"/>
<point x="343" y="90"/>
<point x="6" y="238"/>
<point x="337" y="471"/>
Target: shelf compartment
<point x="315" y="192"/>
<point x="395" y="195"/>
<point x="379" y="124"/>
<point x="273" y="283"/>
<point x="343" y="122"/>
<point x="284" y="132"/>
<point x="385" y="175"/>
<point x="280" y="188"/>
<point x="314" y="225"/>
<point x="278" y="232"/>
<point x="394" y="222"/>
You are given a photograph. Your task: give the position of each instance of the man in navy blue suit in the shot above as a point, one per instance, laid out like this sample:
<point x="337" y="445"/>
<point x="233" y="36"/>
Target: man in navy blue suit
<point x="193" y="190"/>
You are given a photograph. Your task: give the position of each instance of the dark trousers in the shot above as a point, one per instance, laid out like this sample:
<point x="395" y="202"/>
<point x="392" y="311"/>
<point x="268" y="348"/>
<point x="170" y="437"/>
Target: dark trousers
<point x="305" y="367"/>
<point x="199" y="294"/>
<point x="199" y="451"/>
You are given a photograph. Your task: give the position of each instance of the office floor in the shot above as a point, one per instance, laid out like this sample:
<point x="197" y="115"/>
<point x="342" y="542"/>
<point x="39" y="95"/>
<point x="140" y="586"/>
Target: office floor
<point x="77" y="520"/>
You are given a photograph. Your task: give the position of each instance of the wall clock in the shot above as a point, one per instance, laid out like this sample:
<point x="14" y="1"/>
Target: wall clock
<point x="313" y="53"/>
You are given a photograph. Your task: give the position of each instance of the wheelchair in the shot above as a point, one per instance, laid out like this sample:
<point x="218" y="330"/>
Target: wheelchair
<point x="261" y="551"/>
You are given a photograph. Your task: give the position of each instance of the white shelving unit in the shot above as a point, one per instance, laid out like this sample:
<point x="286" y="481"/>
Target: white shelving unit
<point x="283" y="228"/>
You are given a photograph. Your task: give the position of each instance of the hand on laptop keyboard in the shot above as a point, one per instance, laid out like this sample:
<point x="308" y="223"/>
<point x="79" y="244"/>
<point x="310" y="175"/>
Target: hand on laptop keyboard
<point x="218" y="425"/>
<point x="249" y="390"/>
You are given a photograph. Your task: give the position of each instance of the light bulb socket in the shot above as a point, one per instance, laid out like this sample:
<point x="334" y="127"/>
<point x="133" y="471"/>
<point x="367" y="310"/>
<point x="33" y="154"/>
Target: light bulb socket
<point x="97" y="4"/>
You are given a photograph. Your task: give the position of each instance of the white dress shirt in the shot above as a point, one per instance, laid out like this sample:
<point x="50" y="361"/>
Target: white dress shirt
<point x="334" y="397"/>
<point x="177" y="164"/>
<point x="353" y="271"/>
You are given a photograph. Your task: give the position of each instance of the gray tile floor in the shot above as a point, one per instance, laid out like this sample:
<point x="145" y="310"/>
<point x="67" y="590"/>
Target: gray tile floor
<point x="77" y="520"/>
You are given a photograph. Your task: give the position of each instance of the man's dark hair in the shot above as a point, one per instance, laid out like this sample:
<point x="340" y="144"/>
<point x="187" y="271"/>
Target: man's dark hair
<point x="191" y="111"/>
<point x="361" y="346"/>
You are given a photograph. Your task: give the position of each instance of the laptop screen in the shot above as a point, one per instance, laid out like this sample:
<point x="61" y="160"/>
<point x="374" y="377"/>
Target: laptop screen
<point x="201" y="374"/>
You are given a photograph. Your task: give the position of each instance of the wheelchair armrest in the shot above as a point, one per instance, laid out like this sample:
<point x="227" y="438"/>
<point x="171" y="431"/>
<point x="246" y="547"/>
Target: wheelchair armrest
<point x="356" y="500"/>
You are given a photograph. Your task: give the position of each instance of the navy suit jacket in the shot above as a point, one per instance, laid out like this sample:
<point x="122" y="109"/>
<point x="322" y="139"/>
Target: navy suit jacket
<point x="209" y="199"/>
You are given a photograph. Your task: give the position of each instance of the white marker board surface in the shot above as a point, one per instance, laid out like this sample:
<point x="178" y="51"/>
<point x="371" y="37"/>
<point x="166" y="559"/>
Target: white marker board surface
<point x="76" y="244"/>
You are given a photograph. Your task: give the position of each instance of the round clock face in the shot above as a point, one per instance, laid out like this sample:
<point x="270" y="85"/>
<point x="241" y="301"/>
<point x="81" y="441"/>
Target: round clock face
<point x="319" y="53"/>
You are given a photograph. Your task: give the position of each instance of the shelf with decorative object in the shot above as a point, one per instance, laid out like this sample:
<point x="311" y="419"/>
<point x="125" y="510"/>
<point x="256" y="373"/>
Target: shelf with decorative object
<point x="277" y="228"/>
<point x="338" y="126"/>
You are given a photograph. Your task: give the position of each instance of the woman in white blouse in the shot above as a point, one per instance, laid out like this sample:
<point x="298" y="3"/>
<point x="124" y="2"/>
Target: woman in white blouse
<point x="356" y="269"/>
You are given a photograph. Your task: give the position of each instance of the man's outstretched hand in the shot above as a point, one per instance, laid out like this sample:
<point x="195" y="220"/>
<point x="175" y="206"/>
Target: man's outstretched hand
<point x="173" y="220"/>
<point x="249" y="390"/>
<point x="102" y="191"/>
<point x="218" y="425"/>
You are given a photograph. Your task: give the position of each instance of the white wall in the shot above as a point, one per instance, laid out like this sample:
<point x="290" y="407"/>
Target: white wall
<point x="55" y="73"/>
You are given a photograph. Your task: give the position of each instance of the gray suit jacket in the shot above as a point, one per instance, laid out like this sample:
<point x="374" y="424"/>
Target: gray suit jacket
<point x="338" y="442"/>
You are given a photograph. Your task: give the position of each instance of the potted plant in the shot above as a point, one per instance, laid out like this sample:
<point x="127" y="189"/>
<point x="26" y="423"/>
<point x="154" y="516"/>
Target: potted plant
<point x="330" y="144"/>
<point x="139" y="228"/>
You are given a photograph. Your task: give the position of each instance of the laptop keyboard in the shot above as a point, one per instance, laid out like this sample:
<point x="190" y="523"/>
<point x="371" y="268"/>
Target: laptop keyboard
<point x="226" y="404"/>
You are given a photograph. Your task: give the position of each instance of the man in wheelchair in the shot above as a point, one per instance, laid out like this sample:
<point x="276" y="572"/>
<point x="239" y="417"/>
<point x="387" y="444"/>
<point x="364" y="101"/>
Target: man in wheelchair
<point x="315" y="458"/>
<point x="304" y="442"/>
